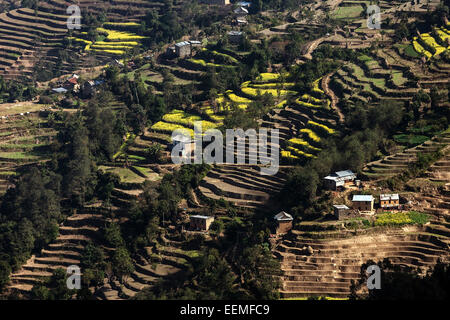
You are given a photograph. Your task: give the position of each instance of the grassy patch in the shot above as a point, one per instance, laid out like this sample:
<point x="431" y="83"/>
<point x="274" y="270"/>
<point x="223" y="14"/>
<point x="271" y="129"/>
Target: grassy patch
<point x="401" y="218"/>
<point x="347" y="12"/>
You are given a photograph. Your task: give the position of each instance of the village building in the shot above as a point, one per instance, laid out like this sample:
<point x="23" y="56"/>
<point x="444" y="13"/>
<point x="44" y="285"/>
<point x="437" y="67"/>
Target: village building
<point x="339" y="179"/>
<point x="59" y="90"/>
<point x="235" y="36"/>
<point x="363" y="202"/>
<point x="241" y="22"/>
<point x="200" y="223"/>
<point x="284" y="222"/>
<point x="240" y="12"/>
<point x="341" y="211"/>
<point x="183" y="49"/>
<point x="389" y="201"/>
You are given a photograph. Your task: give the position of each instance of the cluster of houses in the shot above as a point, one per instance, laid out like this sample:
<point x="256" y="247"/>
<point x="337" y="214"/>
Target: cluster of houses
<point x="361" y="203"/>
<point x="72" y="84"/>
<point x="364" y="204"/>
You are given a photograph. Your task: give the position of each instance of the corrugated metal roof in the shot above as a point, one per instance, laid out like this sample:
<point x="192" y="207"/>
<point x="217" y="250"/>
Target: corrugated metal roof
<point x="182" y="44"/>
<point x="283" y="216"/>
<point x="389" y="196"/>
<point x="201" y="217"/>
<point x="344" y="173"/>
<point x="362" y="197"/>
<point x="340" y="206"/>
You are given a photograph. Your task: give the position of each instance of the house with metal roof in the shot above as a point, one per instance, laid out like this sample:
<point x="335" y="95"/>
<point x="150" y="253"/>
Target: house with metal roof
<point x="183" y="49"/>
<point x="363" y="202"/>
<point x="235" y="36"/>
<point x="391" y="200"/>
<point x="340" y="211"/>
<point x="240" y="12"/>
<point x="339" y="179"/>
<point x="200" y="223"/>
<point x="283" y="221"/>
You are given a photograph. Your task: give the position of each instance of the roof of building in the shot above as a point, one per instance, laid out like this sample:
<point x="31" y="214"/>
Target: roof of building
<point x="341" y="175"/>
<point x="362" y="197"/>
<point x="240" y="9"/>
<point x="283" y="216"/>
<point x="182" y="44"/>
<point x="73" y="80"/>
<point x="59" y="90"/>
<point x="201" y="217"/>
<point x="344" y="173"/>
<point x="181" y="138"/>
<point x="389" y="196"/>
<point x="340" y="206"/>
<point x="234" y="33"/>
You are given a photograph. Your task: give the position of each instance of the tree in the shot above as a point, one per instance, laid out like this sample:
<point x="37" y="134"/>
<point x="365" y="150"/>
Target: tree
<point x="5" y="270"/>
<point x="122" y="265"/>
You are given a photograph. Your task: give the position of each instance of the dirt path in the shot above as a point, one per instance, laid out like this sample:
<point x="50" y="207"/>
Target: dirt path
<point x="334" y="99"/>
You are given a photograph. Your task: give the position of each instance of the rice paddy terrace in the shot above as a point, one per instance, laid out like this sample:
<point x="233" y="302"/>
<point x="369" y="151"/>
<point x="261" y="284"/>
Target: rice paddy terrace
<point x="326" y="263"/>
<point x="29" y="36"/>
<point x="301" y="124"/>
<point x="86" y="226"/>
<point x="24" y="140"/>
<point x="396" y="163"/>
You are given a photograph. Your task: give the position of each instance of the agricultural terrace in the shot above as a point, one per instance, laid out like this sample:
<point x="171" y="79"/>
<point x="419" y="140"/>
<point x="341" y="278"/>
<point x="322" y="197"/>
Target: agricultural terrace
<point x="432" y="44"/>
<point x="24" y="140"/>
<point x="111" y="41"/>
<point x="347" y="12"/>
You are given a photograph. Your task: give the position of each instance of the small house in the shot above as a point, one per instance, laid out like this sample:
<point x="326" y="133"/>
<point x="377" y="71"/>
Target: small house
<point x="235" y="36"/>
<point x="170" y="51"/>
<point x="339" y="179"/>
<point x="240" y="12"/>
<point x="59" y="90"/>
<point x="200" y="223"/>
<point x="283" y="221"/>
<point x="341" y="211"/>
<point x="389" y="200"/>
<point x="363" y="202"/>
<point x="183" y="49"/>
<point x="195" y="43"/>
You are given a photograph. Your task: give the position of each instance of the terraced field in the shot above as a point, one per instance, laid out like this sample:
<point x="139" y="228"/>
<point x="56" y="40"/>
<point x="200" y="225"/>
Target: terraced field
<point x="154" y="265"/>
<point x="301" y="126"/>
<point x="331" y="265"/>
<point x="78" y="230"/>
<point x="24" y="140"/>
<point x="29" y="37"/>
<point x="434" y="43"/>
<point x="396" y="163"/>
